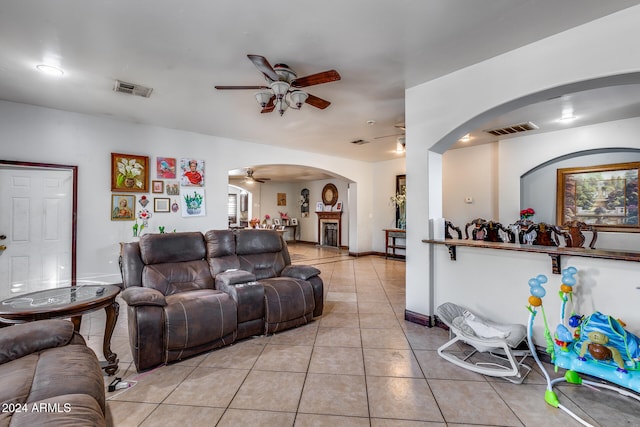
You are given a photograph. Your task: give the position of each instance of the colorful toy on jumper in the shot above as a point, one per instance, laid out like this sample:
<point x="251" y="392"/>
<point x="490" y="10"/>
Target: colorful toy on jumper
<point x="596" y="345"/>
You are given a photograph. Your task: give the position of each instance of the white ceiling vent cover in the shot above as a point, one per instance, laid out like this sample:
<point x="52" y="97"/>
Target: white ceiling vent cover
<point x="132" y="89"/>
<point x="508" y="130"/>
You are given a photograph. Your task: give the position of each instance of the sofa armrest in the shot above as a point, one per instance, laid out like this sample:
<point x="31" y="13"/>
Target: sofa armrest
<point x="20" y="340"/>
<point x="233" y="277"/>
<point x="137" y="296"/>
<point x="302" y="272"/>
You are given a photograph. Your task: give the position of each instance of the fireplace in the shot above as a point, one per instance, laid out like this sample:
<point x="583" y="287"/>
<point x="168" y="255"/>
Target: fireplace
<point x="329" y="229"/>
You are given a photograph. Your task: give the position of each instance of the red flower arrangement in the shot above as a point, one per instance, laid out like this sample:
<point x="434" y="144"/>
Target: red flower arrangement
<point x="527" y="213"/>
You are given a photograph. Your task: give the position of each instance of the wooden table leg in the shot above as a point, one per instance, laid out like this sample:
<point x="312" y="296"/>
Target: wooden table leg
<point x="111" y="365"/>
<point x="76" y="320"/>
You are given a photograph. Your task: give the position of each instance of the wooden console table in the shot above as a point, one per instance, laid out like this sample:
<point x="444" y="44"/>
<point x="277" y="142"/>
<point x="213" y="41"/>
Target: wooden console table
<point x="553" y="251"/>
<point x="294" y="229"/>
<point x="390" y="237"/>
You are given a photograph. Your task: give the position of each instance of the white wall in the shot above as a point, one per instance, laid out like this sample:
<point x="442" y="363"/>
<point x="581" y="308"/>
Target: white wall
<point x="443" y="110"/>
<point x="470" y="172"/>
<point x="35" y="134"/>
<point x="385" y="213"/>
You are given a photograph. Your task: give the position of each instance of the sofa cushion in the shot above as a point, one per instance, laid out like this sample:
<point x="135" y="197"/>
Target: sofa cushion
<point x="172" y="247"/>
<point x="66" y="410"/>
<point x="20" y="340"/>
<point x="263" y="265"/>
<point x="257" y="242"/>
<point x="174" y="277"/>
<point x="59" y="371"/>
<point x="221" y="251"/>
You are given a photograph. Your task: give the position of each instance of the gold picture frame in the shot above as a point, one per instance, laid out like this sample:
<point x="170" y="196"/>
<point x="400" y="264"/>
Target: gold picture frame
<point x="129" y="173"/>
<point x="603" y="196"/>
<point x="123" y="207"/>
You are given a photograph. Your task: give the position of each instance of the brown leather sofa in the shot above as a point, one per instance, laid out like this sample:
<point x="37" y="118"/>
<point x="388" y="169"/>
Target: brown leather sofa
<point x="292" y="294"/>
<point x="49" y="377"/>
<point x="188" y="293"/>
<point x="173" y="309"/>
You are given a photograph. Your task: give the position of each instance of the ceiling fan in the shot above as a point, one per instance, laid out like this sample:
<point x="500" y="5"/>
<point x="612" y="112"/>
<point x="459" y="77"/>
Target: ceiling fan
<point x="250" y="179"/>
<point x="283" y="90"/>
<point x="400" y="138"/>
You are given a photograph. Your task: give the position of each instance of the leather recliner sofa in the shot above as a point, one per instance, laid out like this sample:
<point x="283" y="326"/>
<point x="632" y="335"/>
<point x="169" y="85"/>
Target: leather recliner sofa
<point x="188" y="293"/>
<point x="49" y="376"/>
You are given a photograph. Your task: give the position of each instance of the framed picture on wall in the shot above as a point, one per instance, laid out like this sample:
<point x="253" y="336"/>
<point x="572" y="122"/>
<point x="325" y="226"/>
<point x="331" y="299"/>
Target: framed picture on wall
<point x="282" y="199"/>
<point x="157" y="186"/>
<point x="192" y="172"/>
<point x="129" y="173"/>
<point x="123" y="207"/>
<point x="161" y="204"/>
<point x="604" y="196"/>
<point x="339" y="206"/>
<point x="166" y="167"/>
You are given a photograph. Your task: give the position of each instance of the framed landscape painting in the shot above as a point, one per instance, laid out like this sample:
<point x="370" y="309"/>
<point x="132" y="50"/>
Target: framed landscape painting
<point x="129" y="173"/>
<point x="604" y="196"/>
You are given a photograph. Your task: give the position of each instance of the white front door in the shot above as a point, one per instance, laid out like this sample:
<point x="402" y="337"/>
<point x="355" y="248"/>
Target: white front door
<point x="36" y="208"/>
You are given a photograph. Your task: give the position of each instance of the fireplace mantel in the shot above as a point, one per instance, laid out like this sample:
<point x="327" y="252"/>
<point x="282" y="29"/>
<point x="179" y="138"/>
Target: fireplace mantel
<point x="330" y="217"/>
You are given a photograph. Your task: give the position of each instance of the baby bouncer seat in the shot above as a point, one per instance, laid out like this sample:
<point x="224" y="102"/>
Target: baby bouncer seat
<point x="506" y="343"/>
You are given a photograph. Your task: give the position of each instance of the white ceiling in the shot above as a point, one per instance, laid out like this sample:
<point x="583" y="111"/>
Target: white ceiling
<point x="182" y="49"/>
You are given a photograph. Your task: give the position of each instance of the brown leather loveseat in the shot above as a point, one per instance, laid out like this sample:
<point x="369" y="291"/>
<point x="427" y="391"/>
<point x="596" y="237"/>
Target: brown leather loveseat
<point x="188" y="293"/>
<point x="49" y="377"/>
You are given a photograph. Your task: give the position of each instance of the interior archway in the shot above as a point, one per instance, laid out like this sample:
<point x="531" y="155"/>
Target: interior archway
<point x="281" y="193"/>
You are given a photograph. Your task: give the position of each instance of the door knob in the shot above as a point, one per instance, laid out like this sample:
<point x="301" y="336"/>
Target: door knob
<point x="3" y="247"/>
<point x="2" y="237"/>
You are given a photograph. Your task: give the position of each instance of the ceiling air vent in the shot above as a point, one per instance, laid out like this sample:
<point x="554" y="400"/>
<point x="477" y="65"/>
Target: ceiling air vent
<point x="508" y="130"/>
<point x="132" y="89"/>
<point x="359" y="142"/>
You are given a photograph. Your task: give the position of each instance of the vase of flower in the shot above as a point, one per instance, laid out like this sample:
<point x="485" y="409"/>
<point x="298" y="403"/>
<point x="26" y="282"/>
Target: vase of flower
<point x="399" y="201"/>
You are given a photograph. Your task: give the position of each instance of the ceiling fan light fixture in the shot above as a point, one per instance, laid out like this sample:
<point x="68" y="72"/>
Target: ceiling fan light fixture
<point x="281" y="106"/>
<point x="280" y="89"/>
<point x="263" y="97"/>
<point x="298" y="98"/>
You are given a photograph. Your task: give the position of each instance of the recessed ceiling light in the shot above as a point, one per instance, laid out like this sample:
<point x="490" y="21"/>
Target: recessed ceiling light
<point x="50" y="70"/>
<point x="465" y="138"/>
<point x="371" y="122"/>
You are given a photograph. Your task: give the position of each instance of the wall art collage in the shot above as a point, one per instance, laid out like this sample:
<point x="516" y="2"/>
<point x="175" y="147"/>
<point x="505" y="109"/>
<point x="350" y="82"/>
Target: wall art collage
<point x="178" y="187"/>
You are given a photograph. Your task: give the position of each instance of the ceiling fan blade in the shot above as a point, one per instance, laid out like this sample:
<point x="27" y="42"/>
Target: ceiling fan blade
<point x="241" y="87"/>
<point x="387" y="136"/>
<point x="317" y="102"/>
<point x="265" y="68"/>
<point x="316" y="79"/>
<point x="270" y="106"/>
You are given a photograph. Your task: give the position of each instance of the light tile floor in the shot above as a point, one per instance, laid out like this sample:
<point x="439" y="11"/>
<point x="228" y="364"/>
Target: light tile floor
<point x="360" y="364"/>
